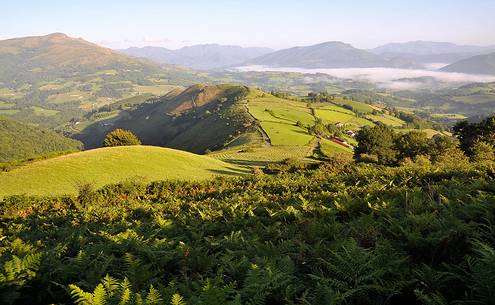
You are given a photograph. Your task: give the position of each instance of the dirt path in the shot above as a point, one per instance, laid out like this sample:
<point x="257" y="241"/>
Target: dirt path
<point x="317" y="147"/>
<point x="264" y="136"/>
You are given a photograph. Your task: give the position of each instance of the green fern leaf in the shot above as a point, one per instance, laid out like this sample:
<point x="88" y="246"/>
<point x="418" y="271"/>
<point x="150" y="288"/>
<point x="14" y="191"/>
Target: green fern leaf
<point x="153" y="297"/>
<point x="177" y="299"/>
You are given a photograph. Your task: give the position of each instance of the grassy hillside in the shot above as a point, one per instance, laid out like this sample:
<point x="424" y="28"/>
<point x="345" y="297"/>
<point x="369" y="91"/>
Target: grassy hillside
<point x="19" y="141"/>
<point x="62" y="175"/>
<point x="244" y="125"/>
<point x="196" y="119"/>
<point x="66" y="78"/>
<point x="283" y="125"/>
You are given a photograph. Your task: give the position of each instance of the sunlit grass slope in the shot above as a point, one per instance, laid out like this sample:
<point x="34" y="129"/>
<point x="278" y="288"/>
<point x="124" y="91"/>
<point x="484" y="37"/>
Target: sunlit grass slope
<point x="61" y="175"/>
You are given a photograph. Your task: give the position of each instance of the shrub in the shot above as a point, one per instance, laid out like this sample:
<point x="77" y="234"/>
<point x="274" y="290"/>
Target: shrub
<point x="120" y="137"/>
<point x="482" y="151"/>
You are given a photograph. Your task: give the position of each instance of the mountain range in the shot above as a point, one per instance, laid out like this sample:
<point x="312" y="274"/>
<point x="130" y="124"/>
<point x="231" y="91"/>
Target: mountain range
<point x="480" y="64"/>
<point x="425" y="52"/>
<point x="205" y="56"/>
<point x="429" y="48"/>
<point x="333" y="54"/>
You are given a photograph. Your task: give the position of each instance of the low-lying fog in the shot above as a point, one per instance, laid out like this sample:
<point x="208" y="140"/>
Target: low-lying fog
<point x="386" y="77"/>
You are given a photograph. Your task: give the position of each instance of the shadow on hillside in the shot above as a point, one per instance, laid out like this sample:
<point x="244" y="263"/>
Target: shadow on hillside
<point x="301" y="132"/>
<point x="249" y="162"/>
<point x="231" y="171"/>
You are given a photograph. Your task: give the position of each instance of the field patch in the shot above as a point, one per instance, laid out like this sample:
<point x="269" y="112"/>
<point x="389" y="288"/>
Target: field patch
<point x="278" y="118"/>
<point x="286" y="134"/>
<point x="451" y="116"/>
<point x="259" y="156"/>
<point x="44" y="112"/>
<point x="429" y="132"/>
<point x="386" y="119"/>
<point x="330" y="148"/>
<point x="475" y="99"/>
<point x="10" y="93"/>
<point x="71" y="96"/>
<point x="280" y="110"/>
<point x="5" y="105"/>
<point x="9" y="111"/>
<point x="334" y="114"/>
<point x="154" y="89"/>
<point x="356" y="106"/>
<point x="331" y="116"/>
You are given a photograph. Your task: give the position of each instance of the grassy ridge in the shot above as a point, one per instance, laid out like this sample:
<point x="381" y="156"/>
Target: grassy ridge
<point x="61" y="175"/>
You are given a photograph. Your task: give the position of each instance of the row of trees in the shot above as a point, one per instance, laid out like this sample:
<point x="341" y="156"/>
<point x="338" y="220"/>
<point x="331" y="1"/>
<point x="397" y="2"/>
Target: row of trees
<point x="323" y="130"/>
<point x="471" y="134"/>
<point x="383" y="145"/>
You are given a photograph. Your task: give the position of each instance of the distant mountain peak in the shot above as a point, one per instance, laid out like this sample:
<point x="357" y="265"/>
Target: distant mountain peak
<point x="57" y="35"/>
<point x="422" y="47"/>
<point x="334" y="44"/>
<point x="58" y="49"/>
<point x="479" y="64"/>
<point x="202" y="56"/>
<point x="330" y="54"/>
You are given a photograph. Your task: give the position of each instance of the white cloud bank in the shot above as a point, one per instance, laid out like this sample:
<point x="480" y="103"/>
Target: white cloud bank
<point x="383" y="76"/>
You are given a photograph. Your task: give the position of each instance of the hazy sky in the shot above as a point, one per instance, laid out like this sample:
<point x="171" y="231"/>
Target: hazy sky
<point x="270" y="23"/>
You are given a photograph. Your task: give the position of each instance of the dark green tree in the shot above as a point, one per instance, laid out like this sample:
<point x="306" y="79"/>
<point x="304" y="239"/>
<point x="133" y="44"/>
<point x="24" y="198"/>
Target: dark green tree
<point x="120" y="137"/>
<point x="378" y="143"/>
<point x="411" y="144"/>
<point x="439" y="144"/>
<point x="469" y="133"/>
<point x="482" y="151"/>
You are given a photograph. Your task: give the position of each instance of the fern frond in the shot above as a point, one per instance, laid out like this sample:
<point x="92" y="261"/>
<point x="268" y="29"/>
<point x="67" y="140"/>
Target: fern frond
<point x="153" y="297"/>
<point x="177" y="299"/>
<point x="79" y="296"/>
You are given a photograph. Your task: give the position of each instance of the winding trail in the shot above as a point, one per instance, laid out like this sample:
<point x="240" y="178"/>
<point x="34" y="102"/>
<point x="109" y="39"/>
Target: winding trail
<point x="264" y="136"/>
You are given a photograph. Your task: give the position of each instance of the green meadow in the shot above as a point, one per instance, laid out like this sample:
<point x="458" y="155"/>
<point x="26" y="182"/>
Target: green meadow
<point x="99" y="167"/>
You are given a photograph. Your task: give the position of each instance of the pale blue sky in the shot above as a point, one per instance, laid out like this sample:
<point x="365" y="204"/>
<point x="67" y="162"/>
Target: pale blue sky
<point x="270" y="23"/>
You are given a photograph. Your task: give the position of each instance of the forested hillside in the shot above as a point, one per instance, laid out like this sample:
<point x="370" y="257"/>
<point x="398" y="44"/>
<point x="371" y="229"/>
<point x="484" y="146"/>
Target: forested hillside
<point x="19" y="141"/>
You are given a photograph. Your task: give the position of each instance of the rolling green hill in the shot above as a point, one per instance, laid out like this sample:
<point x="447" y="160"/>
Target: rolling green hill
<point x="19" y="141"/>
<point x="70" y="77"/>
<point x="243" y="125"/>
<point x="62" y="175"/>
<point x="197" y="119"/>
<point x="283" y="128"/>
